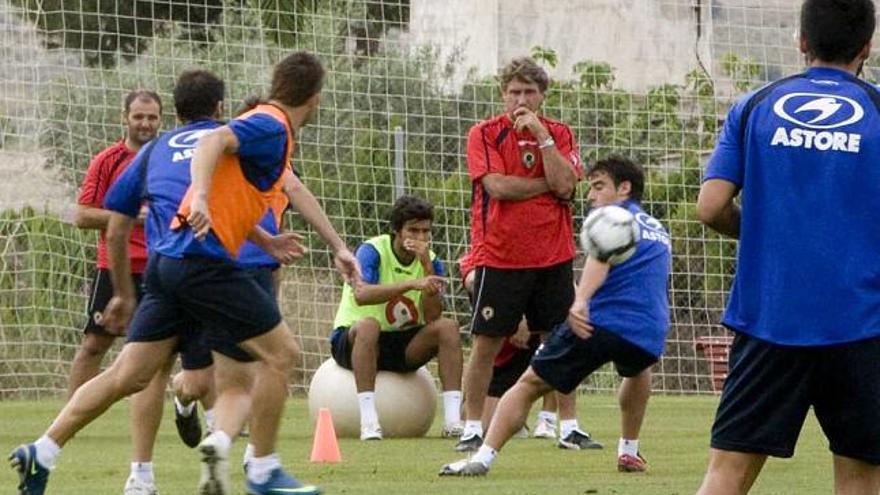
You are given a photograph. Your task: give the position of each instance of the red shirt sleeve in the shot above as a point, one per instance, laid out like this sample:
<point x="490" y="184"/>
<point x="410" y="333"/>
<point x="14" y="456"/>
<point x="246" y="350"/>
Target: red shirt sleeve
<point x="482" y="155"/>
<point x="567" y="146"/>
<point x="95" y="183"/>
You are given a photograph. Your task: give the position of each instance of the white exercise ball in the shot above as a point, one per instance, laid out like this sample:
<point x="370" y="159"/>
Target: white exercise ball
<point x="406" y="402"/>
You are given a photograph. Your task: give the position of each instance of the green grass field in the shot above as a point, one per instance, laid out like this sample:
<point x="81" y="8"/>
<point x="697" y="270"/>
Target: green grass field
<point x="674" y="441"/>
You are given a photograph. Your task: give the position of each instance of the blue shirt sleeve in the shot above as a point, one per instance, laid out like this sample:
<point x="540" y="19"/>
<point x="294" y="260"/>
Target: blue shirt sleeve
<point x="369" y="260"/>
<point x="726" y="162"/>
<point x="439" y="267"/>
<point x="262" y="146"/>
<point x="127" y="193"/>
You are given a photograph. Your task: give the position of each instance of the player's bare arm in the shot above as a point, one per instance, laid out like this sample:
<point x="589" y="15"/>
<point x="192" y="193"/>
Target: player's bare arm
<point x="511" y="188"/>
<point x="592" y="277"/>
<point x="716" y="208"/>
<point x="119" y="310"/>
<point x="365" y="293"/>
<point x="558" y="173"/>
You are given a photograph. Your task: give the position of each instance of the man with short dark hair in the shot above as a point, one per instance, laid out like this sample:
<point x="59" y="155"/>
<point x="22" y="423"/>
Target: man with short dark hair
<point x="141" y="114"/>
<point x="392" y="320"/>
<point x="620" y="314"/>
<point x="805" y="301"/>
<point x="524" y="168"/>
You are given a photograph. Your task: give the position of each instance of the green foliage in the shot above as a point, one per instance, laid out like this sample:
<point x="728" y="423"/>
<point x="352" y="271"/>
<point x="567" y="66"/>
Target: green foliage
<point x="744" y="71"/>
<point x="347" y="157"/>
<point x="543" y="54"/>
<point x="101" y="30"/>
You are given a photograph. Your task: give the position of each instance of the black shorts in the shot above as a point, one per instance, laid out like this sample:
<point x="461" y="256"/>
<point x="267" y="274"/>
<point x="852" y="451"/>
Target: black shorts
<point x="565" y="359"/>
<point x="392" y="350"/>
<point x="196" y="354"/>
<point x="770" y="389"/>
<point x="506" y="375"/>
<point x="185" y="297"/>
<point x="99" y="295"/>
<point x="503" y="296"/>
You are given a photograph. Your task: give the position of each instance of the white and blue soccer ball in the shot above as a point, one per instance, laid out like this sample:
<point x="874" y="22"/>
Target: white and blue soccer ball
<point x="610" y="234"/>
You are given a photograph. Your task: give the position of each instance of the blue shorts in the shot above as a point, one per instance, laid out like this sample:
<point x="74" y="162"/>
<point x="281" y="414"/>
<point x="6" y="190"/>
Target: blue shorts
<point x="770" y="389"/>
<point x="196" y="354"/>
<point x="392" y="350"/>
<point x="565" y="359"/>
<point x="201" y="300"/>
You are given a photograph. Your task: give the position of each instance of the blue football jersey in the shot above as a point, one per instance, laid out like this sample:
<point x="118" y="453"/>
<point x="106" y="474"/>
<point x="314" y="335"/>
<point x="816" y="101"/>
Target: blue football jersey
<point x="160" y="176"/>
<point x="634" y="300"/>
<point x="804" y="151"/>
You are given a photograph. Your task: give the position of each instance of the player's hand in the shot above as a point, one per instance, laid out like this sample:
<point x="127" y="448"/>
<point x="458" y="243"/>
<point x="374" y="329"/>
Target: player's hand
<point x="286" y="248"/>
<point x="521" y="338"/>
<point x="417" y="247"/>
<point x="430" y="285"/>
<point x="527" y="119"/>
<point x="117" y="314"/>
<point x="347" y="266"/>
<point x="199" y="218"/>
<point x="579" y="320"/>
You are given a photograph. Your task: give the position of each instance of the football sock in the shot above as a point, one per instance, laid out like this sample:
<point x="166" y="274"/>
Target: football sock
<point x="259" y="468"/>
<point x="629" y="447"/>
<point x="452" y="407"/>
<point x="143" y="471"/>
<point x="367" y="401"/>
<point x="486" y="455"/>
<point x="47" y="451"/>
<point x="566" y="426"/>
<point x="472" y="427"/>
<point x="209" y="419"/>
<point x="547" y="416"/>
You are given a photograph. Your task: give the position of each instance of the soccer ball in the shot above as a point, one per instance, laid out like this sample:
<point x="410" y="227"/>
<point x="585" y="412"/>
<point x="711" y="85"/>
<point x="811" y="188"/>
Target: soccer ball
<point x="610" y="234"/>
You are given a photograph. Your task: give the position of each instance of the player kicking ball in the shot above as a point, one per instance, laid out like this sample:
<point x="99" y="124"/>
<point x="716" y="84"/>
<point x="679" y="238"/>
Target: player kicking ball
<point x="620" y="314"/>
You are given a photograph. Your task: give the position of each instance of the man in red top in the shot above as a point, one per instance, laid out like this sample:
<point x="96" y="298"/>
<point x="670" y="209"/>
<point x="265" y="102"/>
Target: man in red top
<point x="140" y="114"/>
<point x="524" y="169"/>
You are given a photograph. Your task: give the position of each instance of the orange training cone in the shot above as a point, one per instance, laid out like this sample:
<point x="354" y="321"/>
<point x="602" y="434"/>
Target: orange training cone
<point x="325" y="448"/>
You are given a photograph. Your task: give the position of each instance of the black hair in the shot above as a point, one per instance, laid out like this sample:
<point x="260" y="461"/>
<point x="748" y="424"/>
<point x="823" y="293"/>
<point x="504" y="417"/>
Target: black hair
<point x="408" y="208"/>
<point x="835" y="31"/>
<point x="197" y="94"/>
<point x="622" y="169"/>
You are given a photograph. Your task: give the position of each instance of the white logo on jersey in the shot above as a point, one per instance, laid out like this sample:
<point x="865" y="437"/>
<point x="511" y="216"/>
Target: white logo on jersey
<point x="816" y="114"/>
<point x="186" y="143"/>
<point x="652" y="229"/>
<point x="187" y="139"/>
<point x="805" y="106"/>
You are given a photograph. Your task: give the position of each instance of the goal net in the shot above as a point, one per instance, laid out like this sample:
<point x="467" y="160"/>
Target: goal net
<point x="650" y="79"/>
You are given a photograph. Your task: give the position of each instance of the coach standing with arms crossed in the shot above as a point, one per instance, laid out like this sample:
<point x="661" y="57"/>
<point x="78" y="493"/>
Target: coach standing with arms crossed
<point x="524" y="168"/>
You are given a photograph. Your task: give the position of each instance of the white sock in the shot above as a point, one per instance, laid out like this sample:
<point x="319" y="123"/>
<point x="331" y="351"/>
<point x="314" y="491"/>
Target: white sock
<point x="248" y="453"/>
<point x="209" y="419"/>
<point x="486" y="455"/>
<point x="567" y="426"/>
<point x="222" y="441"/>
<point x="259" y="468"/>
<point x="47" y="452"/>
<point x="472" y="427"/>
<point x="184" y="410"/>
<point x="629" y="447"/>
<point x="143" y="471"/>
<point x="547" y="416"/>
<point x="367" y="401"/>
<point x="452" y="407"/>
